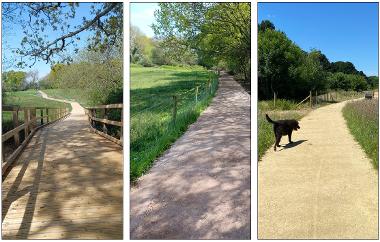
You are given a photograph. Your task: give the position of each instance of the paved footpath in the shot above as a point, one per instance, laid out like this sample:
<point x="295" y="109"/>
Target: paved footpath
<point x="200" y="188"/>
<point x="321" y="187"/>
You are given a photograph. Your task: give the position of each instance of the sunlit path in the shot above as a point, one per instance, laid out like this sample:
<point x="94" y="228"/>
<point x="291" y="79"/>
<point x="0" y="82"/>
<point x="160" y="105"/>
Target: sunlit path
<point x="66" y="184"/>
<point x="200" y="188"/>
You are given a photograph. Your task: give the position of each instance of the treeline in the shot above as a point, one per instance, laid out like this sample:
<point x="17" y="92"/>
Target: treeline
<point x="290" y="72"/>
<point x="151" y="52"/>
<point x="207" y="34"/>
<point x="19" y="81"/>
<point x="97" y="74"/>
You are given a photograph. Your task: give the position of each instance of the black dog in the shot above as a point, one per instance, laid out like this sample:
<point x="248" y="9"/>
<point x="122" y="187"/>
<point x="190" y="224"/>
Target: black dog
<point x="283" y="127"/>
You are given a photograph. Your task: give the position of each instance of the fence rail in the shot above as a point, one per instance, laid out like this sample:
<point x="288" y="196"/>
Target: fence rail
<point x="29" y="127"/>
<point x="91" y="112"/>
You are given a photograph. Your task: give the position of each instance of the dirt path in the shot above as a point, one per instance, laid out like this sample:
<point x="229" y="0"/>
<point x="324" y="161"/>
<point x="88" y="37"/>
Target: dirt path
<point x="322" y="187"/>
<point x="66" y="184"/>
<point x="200" y="188"/>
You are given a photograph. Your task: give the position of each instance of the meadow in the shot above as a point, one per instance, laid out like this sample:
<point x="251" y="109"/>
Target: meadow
<point x="28" y="98"/>
<point x="153" y="128"/>
<point x="362" y="119"/>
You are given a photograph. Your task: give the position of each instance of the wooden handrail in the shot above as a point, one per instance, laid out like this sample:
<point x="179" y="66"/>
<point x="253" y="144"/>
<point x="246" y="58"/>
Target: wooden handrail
<point x="106" y="121"/>
<point x="118" y="105"/>
<point x="29" y="126"/>
<point x="91" y="113"/>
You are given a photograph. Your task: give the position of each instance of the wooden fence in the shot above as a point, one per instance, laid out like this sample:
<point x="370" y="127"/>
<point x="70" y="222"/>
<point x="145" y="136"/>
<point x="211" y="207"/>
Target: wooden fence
<point x="102" y="111"/>
<point x="29" y="126"/>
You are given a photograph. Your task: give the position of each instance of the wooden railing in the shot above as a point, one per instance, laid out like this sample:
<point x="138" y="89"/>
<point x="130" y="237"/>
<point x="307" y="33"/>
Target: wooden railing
<point x="30" y="126"/>
<point x="100" y="114"/>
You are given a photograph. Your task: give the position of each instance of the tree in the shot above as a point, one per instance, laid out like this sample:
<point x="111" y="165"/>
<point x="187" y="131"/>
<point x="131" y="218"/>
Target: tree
<point x="32" y="80"/>
<point x="41" y="18"/>
<point x="373" y="81"/>
<point x="266" y="24"/>
<point x="13" y="80"/>
<point x="278" y="58"/>
<point x="344" y="67"/>
<point x="214" y="31"/>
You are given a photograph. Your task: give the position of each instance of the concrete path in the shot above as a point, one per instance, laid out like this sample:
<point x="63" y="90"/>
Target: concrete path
<point x="66" y="184"/>
<point x="321" y="187"/>
<point x="200" y="188"/>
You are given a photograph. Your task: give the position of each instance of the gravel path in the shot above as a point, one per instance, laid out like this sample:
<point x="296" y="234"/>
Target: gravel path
<point x="200" y="188"/>
<point x="321" y="187"/>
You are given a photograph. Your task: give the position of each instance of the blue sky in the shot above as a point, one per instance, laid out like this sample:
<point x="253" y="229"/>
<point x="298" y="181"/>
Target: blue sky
<point x="342" y="31"/>
<point x="12" y="39"/>
<point x="142" y="16"/>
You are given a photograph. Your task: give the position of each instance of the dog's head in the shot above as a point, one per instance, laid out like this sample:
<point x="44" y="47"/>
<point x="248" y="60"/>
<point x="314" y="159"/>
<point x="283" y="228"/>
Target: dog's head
<point x="296" y="126"/>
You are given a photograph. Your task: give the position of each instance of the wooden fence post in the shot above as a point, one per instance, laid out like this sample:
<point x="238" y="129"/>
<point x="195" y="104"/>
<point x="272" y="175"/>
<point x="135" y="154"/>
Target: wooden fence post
<point x="209" y="84"/>
<point x="93" y="114"/>
<point x="26" y="121"/>
<point x="41" y="116"/>
<point x="33" y="123"/>
<point x="15" y="125"/>
<point x="121" y="128"/>
<point x="104" y="115"/>
<point x="175" y="100"/>
<point x="311" y="102"/>
<point x="316" y="97"/>
<point x="47" y="115"/>
<point x="196" y="94"/>
<point x="274" y="99"/>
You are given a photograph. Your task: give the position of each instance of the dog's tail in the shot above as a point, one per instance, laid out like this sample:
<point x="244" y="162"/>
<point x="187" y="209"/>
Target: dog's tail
<point x="269" y="120"/>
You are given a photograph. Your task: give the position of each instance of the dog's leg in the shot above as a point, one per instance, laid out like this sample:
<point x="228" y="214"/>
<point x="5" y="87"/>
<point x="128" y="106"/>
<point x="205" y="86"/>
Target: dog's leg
<point x="290" y="137"/>
<point x="277" y="144"/>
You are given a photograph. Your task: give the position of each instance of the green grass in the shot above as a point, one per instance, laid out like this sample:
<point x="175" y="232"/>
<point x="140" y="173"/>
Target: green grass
<point x="152" y="127"/>
<point x="362" y="120"/>
<point x="28" y="98"/>
<point x="68" y="94"/>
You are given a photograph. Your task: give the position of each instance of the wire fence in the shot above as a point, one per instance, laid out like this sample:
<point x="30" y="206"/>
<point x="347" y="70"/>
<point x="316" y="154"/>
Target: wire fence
<point x="170" y="112"/>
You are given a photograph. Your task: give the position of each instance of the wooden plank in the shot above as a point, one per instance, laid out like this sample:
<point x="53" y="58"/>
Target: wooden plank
<point x="116" y="123"/>
<point x="10" y="108"/>
<point x="8" y="162"/>
<point x="109" y="137"/>
<point x="12" y="132"/>
<point x="119" y="105"/>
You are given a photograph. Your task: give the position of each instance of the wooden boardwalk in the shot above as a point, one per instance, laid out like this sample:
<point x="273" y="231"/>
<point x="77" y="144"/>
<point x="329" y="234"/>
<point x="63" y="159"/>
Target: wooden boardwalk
<point x="66" y="184"/>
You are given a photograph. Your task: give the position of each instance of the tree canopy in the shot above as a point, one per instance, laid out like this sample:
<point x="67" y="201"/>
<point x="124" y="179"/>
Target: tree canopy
<point x="290" y="72"/>
<point x="216" y="32"/>
<point x="39" y="19"/>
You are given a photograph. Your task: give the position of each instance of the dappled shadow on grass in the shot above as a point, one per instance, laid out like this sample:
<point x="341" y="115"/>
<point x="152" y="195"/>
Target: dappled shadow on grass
<point x="201" y="187"/>
<point x="66" y="184"/>
<point x="178" y="83"/>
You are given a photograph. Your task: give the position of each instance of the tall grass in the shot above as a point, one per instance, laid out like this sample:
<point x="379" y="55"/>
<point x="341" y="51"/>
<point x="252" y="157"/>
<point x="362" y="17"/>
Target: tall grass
<point x="153" y="129"/>
<point x="362" y="119"/>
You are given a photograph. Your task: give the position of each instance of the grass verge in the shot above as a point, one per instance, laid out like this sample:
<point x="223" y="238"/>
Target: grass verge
<point x="152" y="127"/>
<point x="362" y="119"/>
